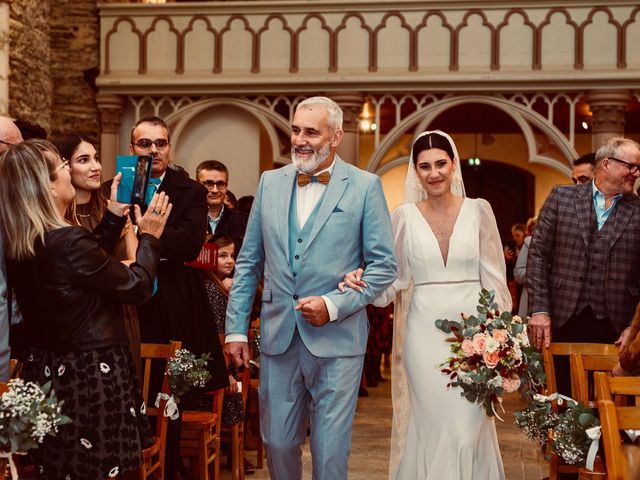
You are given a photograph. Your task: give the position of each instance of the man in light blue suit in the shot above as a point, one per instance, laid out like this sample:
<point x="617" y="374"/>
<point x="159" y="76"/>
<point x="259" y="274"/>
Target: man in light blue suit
<point x="311" y="222"/>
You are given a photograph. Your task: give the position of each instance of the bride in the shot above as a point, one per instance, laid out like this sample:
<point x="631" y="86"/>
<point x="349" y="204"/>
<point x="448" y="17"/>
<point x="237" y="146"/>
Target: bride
<point x="448" y="248"/>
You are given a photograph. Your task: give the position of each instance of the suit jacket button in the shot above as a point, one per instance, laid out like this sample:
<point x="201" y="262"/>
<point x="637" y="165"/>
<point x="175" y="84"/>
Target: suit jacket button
<point x="295" y="274"/>
<point x="295" y="297"/>
<point x="299" y="240"/>
<point x="297" y="257"/>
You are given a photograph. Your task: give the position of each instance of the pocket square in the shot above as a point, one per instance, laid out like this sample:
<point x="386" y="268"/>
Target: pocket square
<point x="337" y="210"/>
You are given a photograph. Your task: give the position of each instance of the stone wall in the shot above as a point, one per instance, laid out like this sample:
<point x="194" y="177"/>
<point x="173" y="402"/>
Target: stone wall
<point x="75" y="63"/>
<point x="29" y="56"/>
<point x="54" y="59"/>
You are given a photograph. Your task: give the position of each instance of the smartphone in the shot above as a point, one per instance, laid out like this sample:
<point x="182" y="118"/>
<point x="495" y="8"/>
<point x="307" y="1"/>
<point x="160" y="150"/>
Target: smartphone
<point x="136" y="170"/>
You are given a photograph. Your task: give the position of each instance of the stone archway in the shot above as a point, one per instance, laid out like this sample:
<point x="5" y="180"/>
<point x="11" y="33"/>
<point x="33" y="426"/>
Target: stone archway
<point x="525" y="118"/>
<point x="269" y="119"/>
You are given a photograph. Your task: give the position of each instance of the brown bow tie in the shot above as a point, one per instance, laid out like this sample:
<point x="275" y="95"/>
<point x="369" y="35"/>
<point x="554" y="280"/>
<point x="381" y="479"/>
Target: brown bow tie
<point x="304" y="179"/>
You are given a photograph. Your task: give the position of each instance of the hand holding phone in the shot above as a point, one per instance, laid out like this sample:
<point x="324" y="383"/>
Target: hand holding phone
<point x="135" y="170"/>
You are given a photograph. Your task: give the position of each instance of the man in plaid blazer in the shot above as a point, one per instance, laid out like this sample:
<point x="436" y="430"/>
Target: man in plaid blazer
<point x="583" y="273"/>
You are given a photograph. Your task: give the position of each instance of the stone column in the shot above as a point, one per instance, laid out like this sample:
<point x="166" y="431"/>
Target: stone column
<point x="608" y="108"/>
<point x="351" y="104"/>
<point x="4" y="57"/>
<point x="110" y="108"/>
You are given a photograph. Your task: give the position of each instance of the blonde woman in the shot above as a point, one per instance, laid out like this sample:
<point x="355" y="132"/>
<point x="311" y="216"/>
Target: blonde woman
<point x="70" y="290"/>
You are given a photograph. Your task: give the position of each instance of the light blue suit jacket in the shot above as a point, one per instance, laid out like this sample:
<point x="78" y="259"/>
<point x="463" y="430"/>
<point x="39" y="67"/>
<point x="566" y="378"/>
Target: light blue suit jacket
<point x="352" y="229"/>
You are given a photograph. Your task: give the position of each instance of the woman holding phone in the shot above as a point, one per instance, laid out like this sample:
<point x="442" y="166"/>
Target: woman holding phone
<point x="88" y="208"/>
<point x="70" y="292"/>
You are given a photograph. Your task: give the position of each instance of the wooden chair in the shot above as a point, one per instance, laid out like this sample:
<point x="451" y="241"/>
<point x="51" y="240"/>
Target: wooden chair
<point x="234" y="434"/>
<point x="583" y="366"/>
<point x="200" y="439"/>
<point x="153" y="457"/>
<point x="556" y="465"/>
<point x="614" y="418"/>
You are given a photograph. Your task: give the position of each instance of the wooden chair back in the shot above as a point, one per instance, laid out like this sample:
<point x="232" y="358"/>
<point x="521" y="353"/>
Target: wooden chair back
<point x="153" y="457"/>
<point x="582" y="369"/>
<point x="568" y="349"/>
<point x="615" y="418"/>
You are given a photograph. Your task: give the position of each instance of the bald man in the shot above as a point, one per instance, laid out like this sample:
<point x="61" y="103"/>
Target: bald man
<point x="9" y="135"/>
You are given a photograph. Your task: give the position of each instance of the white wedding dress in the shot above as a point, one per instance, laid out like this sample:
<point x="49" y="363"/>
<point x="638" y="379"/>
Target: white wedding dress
<point x="439" y="435"/>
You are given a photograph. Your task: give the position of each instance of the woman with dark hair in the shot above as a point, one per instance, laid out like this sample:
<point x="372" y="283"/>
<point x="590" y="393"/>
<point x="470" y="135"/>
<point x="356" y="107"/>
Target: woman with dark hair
<point x="88" y="208"/>
<point x="70" y="292"/>
<point x="448" y="248"/>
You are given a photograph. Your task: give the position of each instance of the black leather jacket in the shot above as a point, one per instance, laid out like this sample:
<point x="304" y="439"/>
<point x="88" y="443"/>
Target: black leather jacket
<point x="71" y="292"/>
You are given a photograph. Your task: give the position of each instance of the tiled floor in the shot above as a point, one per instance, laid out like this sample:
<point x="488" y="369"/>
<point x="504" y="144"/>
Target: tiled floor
<point x="372" y="430"/>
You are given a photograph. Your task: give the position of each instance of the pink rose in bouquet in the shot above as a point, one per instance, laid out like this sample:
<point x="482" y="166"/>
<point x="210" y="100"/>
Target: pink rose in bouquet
<point x="479" y="343"/>
<point x="500" y="335"/>
<point x="467" y="347"/>
<point x="491" y="359"/>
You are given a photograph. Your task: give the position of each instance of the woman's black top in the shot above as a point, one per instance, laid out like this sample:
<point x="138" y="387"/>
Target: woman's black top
<point x="71" y="292"/>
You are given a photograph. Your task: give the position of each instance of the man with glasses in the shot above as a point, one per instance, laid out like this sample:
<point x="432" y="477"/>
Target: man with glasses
<point x="180" y="308"/>
<point x="214" y="175"/>
<point x="582" y="271"/>
<point x="9" y="135"/>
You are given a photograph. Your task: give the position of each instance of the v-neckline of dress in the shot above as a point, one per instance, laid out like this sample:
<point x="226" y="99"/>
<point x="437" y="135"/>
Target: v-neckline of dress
<point x="445" y="261"/>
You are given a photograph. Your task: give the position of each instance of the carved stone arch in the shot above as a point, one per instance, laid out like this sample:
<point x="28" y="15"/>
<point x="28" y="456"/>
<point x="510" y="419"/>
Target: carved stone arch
<point x="269" y="119"/>
<point x="342" y="26"/>
<point x="576" y="30"/>
<point x="247" y="27"/>
<point x="265" y="27"/>
<point x="485" y="23"/>
<point x="623" y="45"/>
<point x="518" y="11"/>
<point x="152" y="28"/>
<point x="295" y="53"/>
<point x="613" y="22"/>
<point x="524" y="117"/>
<point x="413" y="64"/>
<point x="114" y="29"/>
<point x="445" y="24"/>
<point x="189" y="28"/>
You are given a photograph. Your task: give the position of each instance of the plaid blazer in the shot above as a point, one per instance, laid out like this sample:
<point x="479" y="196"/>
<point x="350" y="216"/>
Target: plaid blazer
<point x="558" y="256"/>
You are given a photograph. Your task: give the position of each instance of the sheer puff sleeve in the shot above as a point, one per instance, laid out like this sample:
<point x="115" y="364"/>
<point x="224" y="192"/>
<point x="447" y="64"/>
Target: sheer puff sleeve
<point x="493" y="271"/>
<point x="403" y="279"/>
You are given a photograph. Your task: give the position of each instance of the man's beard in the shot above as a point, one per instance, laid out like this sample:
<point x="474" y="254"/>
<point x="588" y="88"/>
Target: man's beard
<point x="311" y="165"/>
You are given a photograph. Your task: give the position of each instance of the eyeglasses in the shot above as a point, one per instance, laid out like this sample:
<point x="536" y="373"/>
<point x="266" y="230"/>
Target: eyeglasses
<point x="221" y="184"/>
<point x="145" y="143"/>
<point x="632" y="167"/>
<point x="64" y="164"/>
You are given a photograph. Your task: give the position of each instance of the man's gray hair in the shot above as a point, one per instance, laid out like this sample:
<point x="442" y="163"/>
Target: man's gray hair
<point x="334" y="111"/>
<point x="611" y="147"/>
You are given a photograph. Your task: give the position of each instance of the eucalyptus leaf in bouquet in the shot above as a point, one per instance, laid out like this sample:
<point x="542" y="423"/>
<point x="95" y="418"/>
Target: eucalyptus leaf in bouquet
<point x="491" y="355"/>
<point x="571" y="438"/>
<point x="28" y="413"/>
<point x="186" y="371"/>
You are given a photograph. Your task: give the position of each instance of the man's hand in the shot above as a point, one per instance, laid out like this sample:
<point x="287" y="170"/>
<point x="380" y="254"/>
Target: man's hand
<point x="313" y="310"/>
<point x="623" y="340"/>
<point x="238" y="352"/>
<point x="540" y="330"/>
<point x="618" y="371"/>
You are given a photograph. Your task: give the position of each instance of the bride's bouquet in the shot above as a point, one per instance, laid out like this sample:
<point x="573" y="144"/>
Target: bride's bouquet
<point x="491" y="355"/>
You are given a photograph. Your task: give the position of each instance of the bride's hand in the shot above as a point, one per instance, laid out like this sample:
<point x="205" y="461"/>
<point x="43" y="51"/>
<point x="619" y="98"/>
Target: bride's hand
<point x="353" y="280"/>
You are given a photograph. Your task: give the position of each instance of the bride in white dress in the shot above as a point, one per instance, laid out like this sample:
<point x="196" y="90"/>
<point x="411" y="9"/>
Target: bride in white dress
<point x="448" y="248"/>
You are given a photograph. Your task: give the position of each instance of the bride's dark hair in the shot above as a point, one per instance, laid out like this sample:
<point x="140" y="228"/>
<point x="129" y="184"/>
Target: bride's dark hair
<point x="429" y="141"/>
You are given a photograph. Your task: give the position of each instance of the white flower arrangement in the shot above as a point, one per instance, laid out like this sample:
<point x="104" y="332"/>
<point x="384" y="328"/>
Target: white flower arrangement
<point x="28" y="413"/>
<point x="185" y="371"/>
